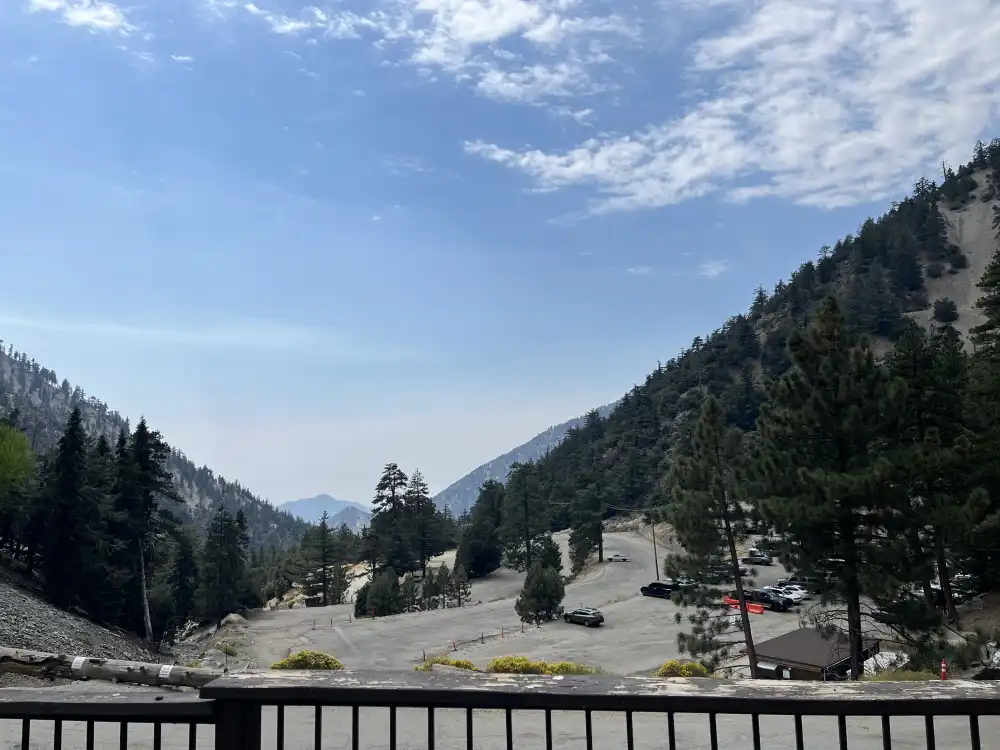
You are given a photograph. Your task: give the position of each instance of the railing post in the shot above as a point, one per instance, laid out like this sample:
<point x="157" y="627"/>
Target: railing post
<point x="237" y="725"/>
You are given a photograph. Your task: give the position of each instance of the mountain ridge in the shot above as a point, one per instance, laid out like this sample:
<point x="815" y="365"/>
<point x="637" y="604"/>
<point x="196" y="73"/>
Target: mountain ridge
<point x="44" y="403"/>
<point x="461" y="494"/>
<point x="918" y="264"/>
<point x="310" y="510"/>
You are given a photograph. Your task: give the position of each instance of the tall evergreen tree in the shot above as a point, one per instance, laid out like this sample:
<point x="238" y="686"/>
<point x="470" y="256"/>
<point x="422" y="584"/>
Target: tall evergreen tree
<point x="710" y="517"/>
<point x="423" y="519"/>
<point x="479" y="550"/>
<point x="826" y="483"/>
<point x="392" y="534"/>
<point x="73" y="517"/>
<point x="525" y="520"/>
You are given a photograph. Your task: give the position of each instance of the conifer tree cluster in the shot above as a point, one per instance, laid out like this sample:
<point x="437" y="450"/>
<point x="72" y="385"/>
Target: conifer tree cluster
<point x="97" y="527"/>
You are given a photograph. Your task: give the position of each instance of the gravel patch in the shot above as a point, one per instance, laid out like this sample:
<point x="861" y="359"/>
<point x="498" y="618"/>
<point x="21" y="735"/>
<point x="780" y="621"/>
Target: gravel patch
<point x="28" y="622"/>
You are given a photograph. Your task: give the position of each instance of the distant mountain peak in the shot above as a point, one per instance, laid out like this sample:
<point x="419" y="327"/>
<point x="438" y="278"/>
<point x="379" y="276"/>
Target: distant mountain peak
<point x="460" y="496"/>
<point x="311" y="509"/>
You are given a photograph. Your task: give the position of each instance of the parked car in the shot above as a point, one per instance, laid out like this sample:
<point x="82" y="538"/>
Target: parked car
<point x="811" y="583"/>
<point x="724" y="573"/>
<point x="786" y="592"/>
<point x="618" y="558"/>
<point x="587" y="616"/>
<point x="661" y="589"/>
<point x="756" y="557"/>
<point x="800" y="590"/>
<point x="772" y="601"/>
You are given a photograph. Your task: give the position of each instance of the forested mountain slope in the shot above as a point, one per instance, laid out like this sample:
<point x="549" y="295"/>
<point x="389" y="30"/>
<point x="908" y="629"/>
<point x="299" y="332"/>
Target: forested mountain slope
<point x="44" y="404"/>
<point x="460" y="496"/>
<point x="919" y="261"/>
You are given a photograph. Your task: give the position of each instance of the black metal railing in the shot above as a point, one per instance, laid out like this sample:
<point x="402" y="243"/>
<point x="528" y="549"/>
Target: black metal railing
<point x="441" y="711"/>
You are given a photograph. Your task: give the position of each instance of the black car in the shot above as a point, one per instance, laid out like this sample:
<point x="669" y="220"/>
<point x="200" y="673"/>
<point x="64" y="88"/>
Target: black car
<point x="661" y="589"/>
<point x="772" y="601"/>
<point x="584" y="616"/>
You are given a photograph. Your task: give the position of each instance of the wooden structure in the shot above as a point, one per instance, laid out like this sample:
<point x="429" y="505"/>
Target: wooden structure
<point x="808" y="654"/>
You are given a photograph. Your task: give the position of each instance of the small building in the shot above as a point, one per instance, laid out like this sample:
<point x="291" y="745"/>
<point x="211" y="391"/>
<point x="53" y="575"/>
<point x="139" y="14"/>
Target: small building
<point x="809" y="654"/>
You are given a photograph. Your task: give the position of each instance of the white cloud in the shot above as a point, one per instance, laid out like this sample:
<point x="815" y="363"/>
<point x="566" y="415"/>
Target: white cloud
<point x="182" y="58"/>
<point x="470" y="39"/>
<point x="96" y="15"/>
<point x="827" y="102"/>
<point x="713" y="268"/>
<point x="640" y="270"/>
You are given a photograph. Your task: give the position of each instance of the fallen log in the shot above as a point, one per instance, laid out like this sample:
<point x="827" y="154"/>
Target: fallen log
<point x="41" y="664"/>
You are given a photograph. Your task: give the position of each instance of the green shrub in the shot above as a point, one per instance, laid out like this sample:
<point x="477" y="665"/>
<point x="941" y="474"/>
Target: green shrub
<point x="674" y="668"/>
<point x="227" y="648"/>
<point x="446" y="661"/>
<point x="308" y="660"/>
<point x="959" y="260"/>
<point x="935" y="270"/>
<point x="945" y="310"/>
<point x="524" y="665"/>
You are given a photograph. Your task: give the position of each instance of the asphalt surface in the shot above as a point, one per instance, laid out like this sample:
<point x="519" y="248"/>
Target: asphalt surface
<point x="639" y="633"/>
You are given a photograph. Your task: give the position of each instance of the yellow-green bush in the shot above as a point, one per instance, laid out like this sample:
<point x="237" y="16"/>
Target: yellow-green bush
<point x="902" y="675"/>
<point x="674" y="668"/>
<point x="524" y="665"/>
<point x="227" y="648"/>
<point x="308" y="660"/>
<point x="446" y="661"/>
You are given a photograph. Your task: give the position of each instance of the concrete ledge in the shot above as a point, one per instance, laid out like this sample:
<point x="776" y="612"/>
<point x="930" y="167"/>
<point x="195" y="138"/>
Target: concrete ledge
<point x="603" y="693"/>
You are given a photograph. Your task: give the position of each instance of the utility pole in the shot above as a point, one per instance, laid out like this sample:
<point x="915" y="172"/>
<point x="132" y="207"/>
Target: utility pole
<point x="656" y="559"/>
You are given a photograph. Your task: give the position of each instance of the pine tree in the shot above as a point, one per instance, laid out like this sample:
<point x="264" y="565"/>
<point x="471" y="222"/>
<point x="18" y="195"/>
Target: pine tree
<point x="541" y="596"/>
<point x="479" y="549"/>
<point x="392" y="534"/>
<point x="223" y="566"/>
<point x="524" y="517"/>
<point x="460" y="585"/>
<point x="72" y="517"/>
<point x="383" y="596"/>
<point x="710" y="518"/>
<point x="826" y="484"/>
<point x="587" y="530"/>
<point x="183" y="579"/>
<point x="422" y="518"/>
<point x="408" y="592"/>
<point x="444" y="585"/>
<point x="144" y="489"/>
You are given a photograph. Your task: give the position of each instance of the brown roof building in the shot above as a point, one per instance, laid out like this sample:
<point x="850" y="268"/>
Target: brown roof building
<point x="808" y="654"/>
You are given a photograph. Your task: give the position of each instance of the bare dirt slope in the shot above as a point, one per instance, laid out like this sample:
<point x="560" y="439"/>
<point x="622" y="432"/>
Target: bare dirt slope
<point x="970" y="228"/>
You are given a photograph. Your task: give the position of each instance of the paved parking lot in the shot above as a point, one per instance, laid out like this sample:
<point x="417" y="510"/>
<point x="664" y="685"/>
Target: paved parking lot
<point x="640" y="633"/>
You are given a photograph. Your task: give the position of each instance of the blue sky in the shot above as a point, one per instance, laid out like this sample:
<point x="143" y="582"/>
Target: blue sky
<point x="307" y="239"/>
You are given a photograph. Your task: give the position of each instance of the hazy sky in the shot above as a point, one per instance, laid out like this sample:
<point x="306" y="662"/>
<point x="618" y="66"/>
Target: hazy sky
<point x="305" y="240"/>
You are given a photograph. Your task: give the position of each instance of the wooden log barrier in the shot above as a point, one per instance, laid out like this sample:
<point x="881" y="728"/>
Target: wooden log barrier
<point x="41" y="664"/>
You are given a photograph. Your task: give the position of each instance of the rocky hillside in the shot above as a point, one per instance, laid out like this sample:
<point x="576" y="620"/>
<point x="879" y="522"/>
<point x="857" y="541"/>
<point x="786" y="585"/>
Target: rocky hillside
<point x="29" y="622"/>
<point x="44" y="403"/>
<point x="461" y="495"/>
<point x="919" y="263"/>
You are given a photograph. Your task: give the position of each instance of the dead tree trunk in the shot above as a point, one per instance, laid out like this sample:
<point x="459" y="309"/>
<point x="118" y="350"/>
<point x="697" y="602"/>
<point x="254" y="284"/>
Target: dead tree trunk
<point x="41" y="664"/>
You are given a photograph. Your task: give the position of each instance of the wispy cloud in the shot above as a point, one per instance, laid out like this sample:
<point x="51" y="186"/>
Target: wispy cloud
<point x="828" y="103"/>
<point x="713" y="268"/>
<point x="182" y="58"/>
<point x="244" y="334"/>
<point x="640" y="270"/>
<point x="96" y="15"/>
<point x="476" y="41"/>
